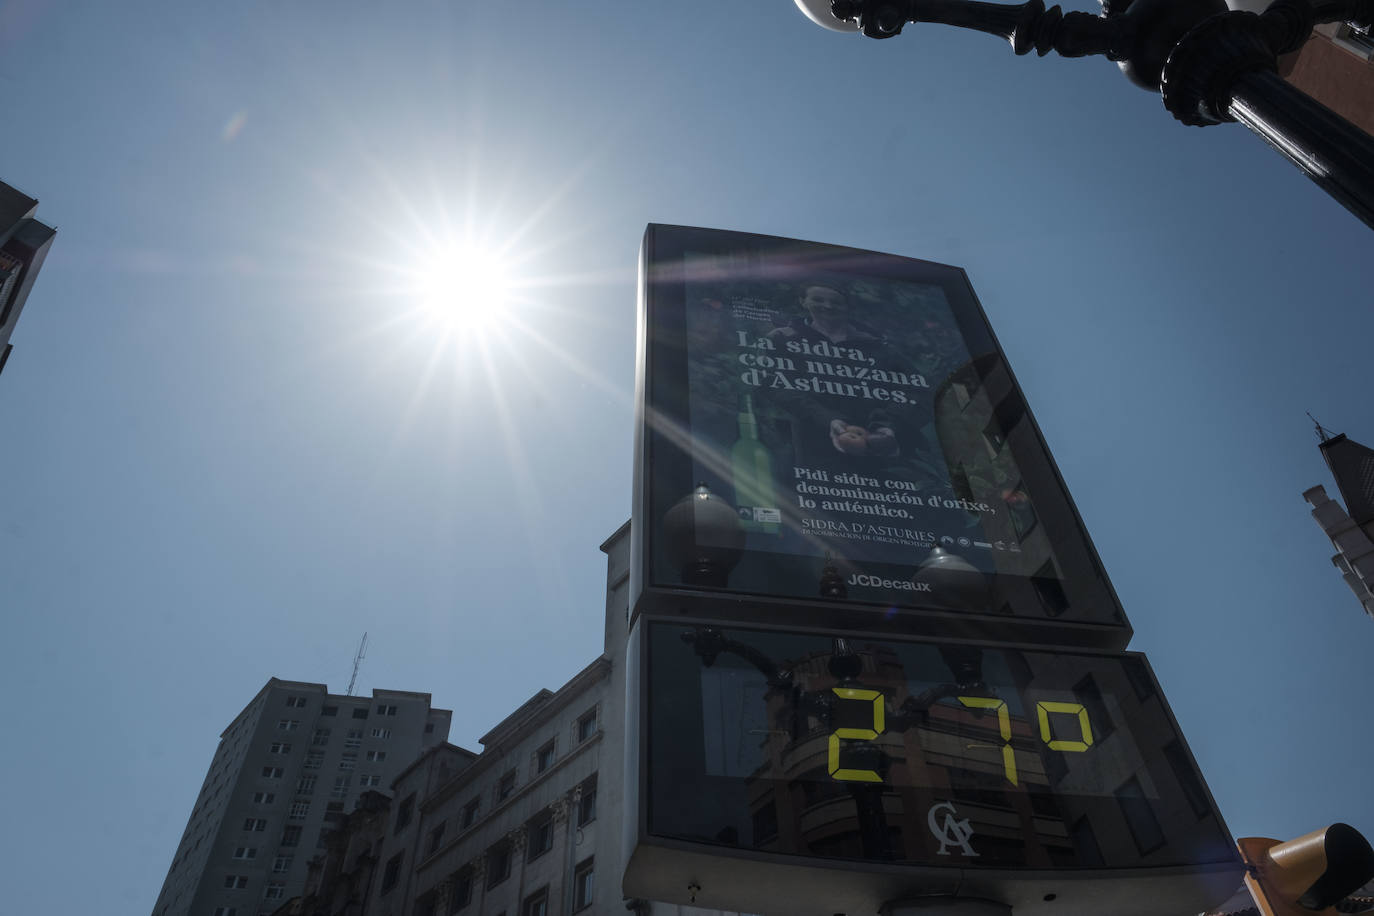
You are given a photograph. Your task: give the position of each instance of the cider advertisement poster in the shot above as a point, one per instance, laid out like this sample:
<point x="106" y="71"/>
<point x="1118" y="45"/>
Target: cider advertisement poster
<point x="813" y="399"/>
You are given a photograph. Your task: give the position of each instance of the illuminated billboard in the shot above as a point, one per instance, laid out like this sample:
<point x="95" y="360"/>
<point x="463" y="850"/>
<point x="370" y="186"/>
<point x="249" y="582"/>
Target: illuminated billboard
<point x="835" y="435"/>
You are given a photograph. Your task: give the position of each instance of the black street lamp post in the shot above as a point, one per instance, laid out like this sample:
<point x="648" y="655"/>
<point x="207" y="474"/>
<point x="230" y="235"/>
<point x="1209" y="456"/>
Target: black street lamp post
<point x="1209" y="63"/>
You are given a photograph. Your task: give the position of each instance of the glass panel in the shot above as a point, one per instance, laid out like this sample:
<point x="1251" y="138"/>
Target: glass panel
<point x="851" y="409"/>
<point x="917" y="752"/>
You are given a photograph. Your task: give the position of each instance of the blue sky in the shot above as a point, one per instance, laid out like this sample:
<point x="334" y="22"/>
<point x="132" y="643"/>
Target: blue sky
<point x="233" y="443"/>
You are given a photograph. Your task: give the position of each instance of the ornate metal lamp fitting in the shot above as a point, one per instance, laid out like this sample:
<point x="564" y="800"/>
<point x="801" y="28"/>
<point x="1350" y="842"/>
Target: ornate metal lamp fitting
<point x="1210" y="64"/>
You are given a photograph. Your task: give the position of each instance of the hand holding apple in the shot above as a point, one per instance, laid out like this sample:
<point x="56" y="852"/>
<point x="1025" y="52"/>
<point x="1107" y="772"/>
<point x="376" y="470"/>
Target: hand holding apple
<point x="852" y="440"/>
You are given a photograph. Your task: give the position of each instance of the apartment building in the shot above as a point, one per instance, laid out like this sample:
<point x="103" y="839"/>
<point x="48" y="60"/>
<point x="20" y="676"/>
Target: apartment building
<point x="287" y="770"/>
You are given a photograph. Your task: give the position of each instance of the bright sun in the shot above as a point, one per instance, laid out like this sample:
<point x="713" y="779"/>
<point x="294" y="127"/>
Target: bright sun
<point x="465" y="288"/>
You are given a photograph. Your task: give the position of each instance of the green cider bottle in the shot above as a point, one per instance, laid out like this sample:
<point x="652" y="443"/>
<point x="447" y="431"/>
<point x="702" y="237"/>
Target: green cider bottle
<point x="752" y="469"/>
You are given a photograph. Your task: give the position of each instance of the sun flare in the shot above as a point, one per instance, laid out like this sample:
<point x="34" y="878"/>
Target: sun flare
<point x="465" y="288"/>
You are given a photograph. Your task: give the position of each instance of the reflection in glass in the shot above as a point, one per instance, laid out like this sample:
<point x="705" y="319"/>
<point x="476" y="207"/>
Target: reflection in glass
<point x="915" y="752"/>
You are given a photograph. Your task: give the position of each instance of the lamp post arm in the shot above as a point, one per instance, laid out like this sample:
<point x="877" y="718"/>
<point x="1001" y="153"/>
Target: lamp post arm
<point x="1077" y="34"/>
<point x="1210" y="65"/>
<point x="1032" y="27"/>
<point x="709" y="643"/>
<point x="1028" y="26"/>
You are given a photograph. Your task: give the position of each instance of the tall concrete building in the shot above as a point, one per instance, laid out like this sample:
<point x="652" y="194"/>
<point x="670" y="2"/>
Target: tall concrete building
<point x="1350" y="527"/>
<point x="287" y="770"/>
<point x="24" y="243"/>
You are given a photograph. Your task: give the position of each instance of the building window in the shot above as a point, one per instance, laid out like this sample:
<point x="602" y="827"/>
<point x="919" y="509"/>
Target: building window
<point x="586" y="725"/>
<point x="321" y="737"/>
<point x="275" y="890"/>
<point x="329" y="711"/>
<point x="543" y="758"/>
<point x="279" y="747"/>
<point x="404" y="812"/>
<point x="1140" y="817"/>
<point x="436" y="837"/>
<point x="314" y="760"/>
<point x="1139" y="676"/>
<point x="498" y="865"/>
<point x="282" y="864"/>
<point x="355" y="738"/>
<point x="540" y="836"/>
<point x="1187" y="778"/>
<point x="291" y="836"/>
<point x="288" y="725"/>
<point x="582" y="885"/>
<point x="470" y="813"/>
<point x="255" y="824"/>
<point x="1085" y="842"/>
<point x="386" y="710"/>
<point x="246" y="852"/>
<point x="360" y="712"/>
<point x="586" y="805"/>
<point x="296" y="702"/>
<point x="376" y="756"/>
<point x="226" y="911"/>
<point x="429" y="728"/>
<point x="1355" y="41"/>
<point x="765" y="824"/>
<point x="1020" y="510"/>
<point x="236" y="881"/>
<point x="348" y="761"/>
<point x="536" y="904"/>
<point x="271" y="772"/>
<point x="461" y="895"/>
<point x="506" y="787"/>
<point x="341" y="784"/>
<point x="299" y="810"/>
<point x="993" y="437"/>
<point x="392" y="873"/>
<point x="1050" y="590"/>
<point x="1087" y="692"/>
<point x="305" y="785"/>
<point x="264" y="798"/>
<point x="372" y="780"/>
<point x="381" y="733"/>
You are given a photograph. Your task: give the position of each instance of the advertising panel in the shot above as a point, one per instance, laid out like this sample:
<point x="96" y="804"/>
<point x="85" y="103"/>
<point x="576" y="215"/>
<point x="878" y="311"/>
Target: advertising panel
<point x="826" y="423"/>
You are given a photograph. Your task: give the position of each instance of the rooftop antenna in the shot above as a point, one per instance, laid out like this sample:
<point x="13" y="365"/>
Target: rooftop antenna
<point x="1322" y="432"/>
<point x="357" y="663"/>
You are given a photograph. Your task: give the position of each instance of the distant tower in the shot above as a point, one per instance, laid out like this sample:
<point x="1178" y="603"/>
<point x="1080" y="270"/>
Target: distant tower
<point x="1350" y="528"/>
<point x="357" y="663"/>
<point x="24" y="243"/>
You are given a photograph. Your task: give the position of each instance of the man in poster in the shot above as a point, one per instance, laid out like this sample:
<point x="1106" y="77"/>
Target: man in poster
<point x="845" y="352"/>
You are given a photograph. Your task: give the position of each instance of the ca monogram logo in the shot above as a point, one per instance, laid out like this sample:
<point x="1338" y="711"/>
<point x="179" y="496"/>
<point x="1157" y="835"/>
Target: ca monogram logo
<point x="949" y="831"/>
